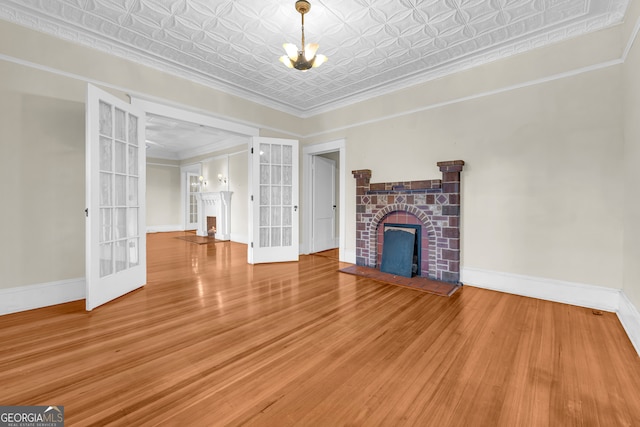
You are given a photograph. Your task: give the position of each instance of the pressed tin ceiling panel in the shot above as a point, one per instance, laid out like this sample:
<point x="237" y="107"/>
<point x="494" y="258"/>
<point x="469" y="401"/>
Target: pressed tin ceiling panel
<point x="170" y="138"/>
<point x="374" y="46"/>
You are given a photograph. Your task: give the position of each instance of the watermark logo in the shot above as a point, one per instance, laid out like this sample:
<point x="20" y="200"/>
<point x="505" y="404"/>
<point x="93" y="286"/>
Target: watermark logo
<point x="31" y="416"/>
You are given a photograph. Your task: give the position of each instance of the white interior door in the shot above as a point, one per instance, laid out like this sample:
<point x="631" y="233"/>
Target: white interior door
<point x="116" y="261"/>
<point x="273" y="205"/>
<point x="324" y="204"/>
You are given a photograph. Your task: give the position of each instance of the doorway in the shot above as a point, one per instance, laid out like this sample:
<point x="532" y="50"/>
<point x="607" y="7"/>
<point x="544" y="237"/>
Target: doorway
<point x="312" y="233"/>
<point x="323" y="201"/>
<point x="205" y="135"/>
<point x="190" y="180"/>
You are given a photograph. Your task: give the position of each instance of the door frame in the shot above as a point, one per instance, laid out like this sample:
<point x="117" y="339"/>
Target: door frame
<point x="318" y="187"/>
<point x="187" y="114"/>
<point x="308" y="152"/>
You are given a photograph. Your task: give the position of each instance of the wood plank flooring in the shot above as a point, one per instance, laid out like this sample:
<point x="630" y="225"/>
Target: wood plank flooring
<point x="213" y="341"/>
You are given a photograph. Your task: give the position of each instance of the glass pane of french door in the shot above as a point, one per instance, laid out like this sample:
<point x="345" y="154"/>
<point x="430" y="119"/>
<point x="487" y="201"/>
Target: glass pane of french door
<point x="119" y="241"/>
<point x="275" y="201"/>
<point x="115" y="251"/>
<point x="273" y="206"/>
<point x="194" y="187"/>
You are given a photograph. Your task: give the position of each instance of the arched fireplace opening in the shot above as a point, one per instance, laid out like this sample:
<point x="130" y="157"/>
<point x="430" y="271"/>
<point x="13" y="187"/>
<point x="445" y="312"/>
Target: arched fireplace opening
<point x="399" y="220"/>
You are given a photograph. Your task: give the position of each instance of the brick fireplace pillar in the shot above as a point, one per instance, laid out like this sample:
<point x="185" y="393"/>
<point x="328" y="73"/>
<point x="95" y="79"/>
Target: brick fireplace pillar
<point x="363" y="178"/>
<point x="451" y="188"/>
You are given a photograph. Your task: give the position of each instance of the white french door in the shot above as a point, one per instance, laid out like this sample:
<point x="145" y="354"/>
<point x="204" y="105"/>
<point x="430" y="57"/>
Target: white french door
<point x="116" y="261"/>
<point x="193" y="187"/>
<point x="273" y="205"/>
<point x="324" y="204"/>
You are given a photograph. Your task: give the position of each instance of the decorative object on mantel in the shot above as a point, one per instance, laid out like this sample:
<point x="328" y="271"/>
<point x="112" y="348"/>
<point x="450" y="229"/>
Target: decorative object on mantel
<point x="433" y="204"/>
<point x="306" y="57"/>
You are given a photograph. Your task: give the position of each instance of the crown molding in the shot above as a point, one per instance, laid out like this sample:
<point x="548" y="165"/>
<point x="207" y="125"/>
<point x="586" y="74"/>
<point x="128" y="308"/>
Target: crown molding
<point x="632" y="39"/>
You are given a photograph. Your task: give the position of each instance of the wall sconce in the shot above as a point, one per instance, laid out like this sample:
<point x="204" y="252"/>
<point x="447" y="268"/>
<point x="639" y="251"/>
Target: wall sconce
<point x="203" y="183"/>
<point x="222" y="179"/>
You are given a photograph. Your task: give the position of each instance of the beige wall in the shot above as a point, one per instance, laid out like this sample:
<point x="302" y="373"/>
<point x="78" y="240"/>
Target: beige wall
<point x="42" y="177"/>
<point x="631" y="205"/>
<point x="543" y="173"/>
<point x="238" y="184"/>
<point x="164" y="202"/>
<point x="528" y="68"/>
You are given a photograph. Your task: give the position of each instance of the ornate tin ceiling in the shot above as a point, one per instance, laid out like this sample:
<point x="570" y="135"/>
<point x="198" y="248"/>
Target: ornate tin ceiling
<point x="374" y="46"/>
<point x="169" y="138"/>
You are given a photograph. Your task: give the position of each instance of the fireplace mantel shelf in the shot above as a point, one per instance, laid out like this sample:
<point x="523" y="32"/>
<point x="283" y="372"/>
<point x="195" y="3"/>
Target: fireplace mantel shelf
<point x="430" y="186"/>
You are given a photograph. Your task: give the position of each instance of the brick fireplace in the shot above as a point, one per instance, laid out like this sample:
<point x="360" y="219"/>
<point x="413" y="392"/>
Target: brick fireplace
<point x="432" y="204"/>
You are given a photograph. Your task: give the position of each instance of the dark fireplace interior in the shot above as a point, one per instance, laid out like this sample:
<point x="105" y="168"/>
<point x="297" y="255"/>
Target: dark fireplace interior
<point x="403" y="255"/>
<point x="211" y="226"/>
<point x="421" y="244"/>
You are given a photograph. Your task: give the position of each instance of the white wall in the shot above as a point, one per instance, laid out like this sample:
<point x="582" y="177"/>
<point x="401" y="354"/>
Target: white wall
<point x="210" y="170"/>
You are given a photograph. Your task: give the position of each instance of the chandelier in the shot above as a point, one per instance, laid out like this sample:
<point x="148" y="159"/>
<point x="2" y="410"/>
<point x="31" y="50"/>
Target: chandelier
<point x="306" y="57"/>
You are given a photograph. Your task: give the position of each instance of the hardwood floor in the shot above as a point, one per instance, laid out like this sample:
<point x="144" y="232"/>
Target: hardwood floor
<point x="213" y="341"/>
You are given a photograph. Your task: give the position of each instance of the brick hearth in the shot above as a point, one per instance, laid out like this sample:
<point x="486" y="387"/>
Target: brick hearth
<point x="435" y="204"/>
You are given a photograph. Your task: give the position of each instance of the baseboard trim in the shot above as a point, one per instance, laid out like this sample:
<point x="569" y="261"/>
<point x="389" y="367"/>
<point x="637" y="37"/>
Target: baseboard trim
<point x="630" y="319"/>
<point x="579" y="294"/>
<point x="164" y="228"/>
<point x="23" y="298"/>
<point x="348" y="256"/>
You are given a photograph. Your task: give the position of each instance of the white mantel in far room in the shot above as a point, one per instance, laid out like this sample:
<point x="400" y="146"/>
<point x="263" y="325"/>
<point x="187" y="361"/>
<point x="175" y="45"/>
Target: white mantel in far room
<point x="216" y="204"/>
